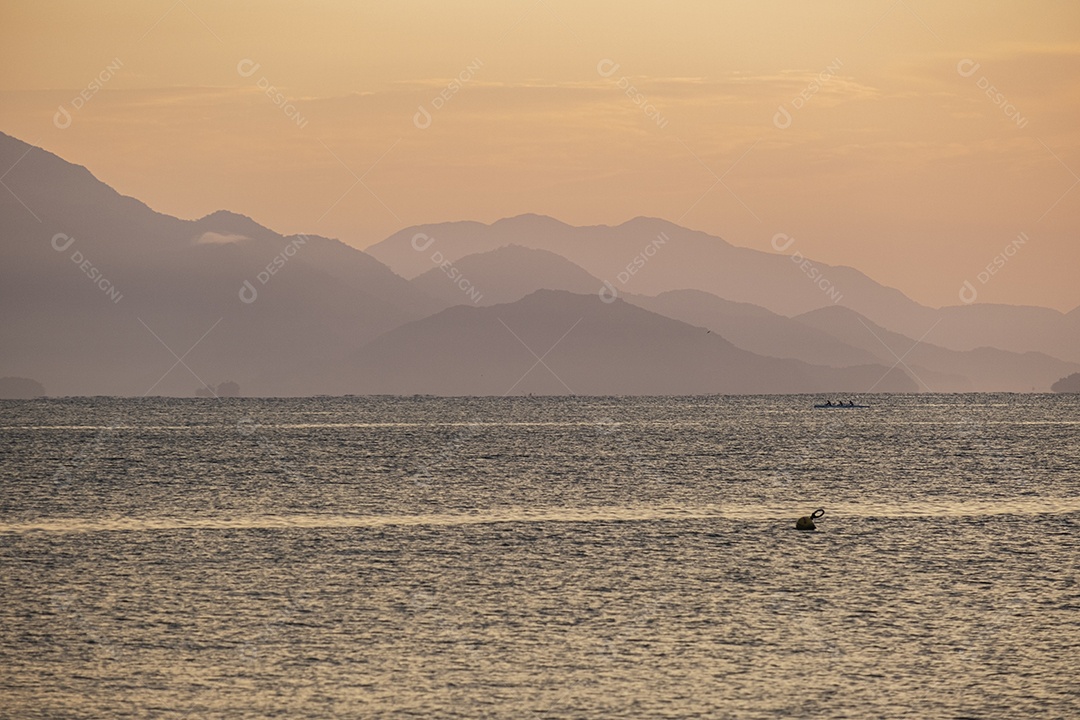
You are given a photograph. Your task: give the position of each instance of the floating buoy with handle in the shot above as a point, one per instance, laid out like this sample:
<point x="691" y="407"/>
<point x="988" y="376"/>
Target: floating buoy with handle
<point x="806" y="522"/>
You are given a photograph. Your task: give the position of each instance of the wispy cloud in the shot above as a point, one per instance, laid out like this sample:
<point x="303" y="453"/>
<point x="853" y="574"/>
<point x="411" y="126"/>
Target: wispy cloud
<point x="213" y="238"/>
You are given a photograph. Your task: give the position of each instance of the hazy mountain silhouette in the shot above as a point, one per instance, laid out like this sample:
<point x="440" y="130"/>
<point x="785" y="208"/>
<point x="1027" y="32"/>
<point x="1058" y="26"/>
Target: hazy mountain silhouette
<point x="1019" y="328"/>
<point x="839" y="337"/>
<point x="754" y="328"/>
<point x="18" y="388"/>
<point x="99" y="294"/>
<point x="648" y="256"/>
<point x="226" y="389"/>
<point x="503" y="275"/>
<point x="675" y="258"/>
<point x="553" y="342"/>
<point x="1070" y="384"/>
<point x="179" y="280"/>
<point x="455" y="240"/>
<point x="940" y="369"/>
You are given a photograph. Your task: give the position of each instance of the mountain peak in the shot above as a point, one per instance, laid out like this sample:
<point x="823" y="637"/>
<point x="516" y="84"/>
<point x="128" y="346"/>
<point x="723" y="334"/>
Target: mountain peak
<point x="224" y="215"/>
<point x="647" y="220"/>
<point x="530" y="219"/>
<point x="232" y="223"/>
<point x="505" y="274"/>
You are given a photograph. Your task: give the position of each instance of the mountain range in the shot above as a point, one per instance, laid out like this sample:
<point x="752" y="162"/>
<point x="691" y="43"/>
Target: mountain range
<point x="648" y="256"/>
<point x="101" y="295"/>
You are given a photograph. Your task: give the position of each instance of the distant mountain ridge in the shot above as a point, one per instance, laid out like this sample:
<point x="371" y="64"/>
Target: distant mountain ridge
<point x="754" y="328"/>
<point x="939" y="369"/>
<point x="100" y="294"/>
<point x="1070" y="384"/>
<point x="503" y="275"/>
<point x="679" y="258"/>
<point x="556" y="343"/>
<point x="649" y="256"/>
<point x="831" y="336"/>
<point x="68" y="240"/>
<point x="17" y="388"/>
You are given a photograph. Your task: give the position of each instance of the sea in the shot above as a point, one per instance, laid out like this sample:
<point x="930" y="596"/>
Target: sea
<point x="540" y="557"/>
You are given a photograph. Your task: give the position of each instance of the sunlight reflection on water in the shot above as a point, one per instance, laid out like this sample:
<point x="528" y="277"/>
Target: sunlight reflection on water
<point x="539" y="558"/>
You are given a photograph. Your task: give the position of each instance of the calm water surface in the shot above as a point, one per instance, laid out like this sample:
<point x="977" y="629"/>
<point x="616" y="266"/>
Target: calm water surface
<point x="540" y="558"/>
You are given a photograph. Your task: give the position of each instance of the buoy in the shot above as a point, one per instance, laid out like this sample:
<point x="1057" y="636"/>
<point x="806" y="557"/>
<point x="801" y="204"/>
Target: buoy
<point x="806" y="522"/>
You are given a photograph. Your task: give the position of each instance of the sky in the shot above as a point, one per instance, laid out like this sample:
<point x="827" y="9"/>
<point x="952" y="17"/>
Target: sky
<point x="933" y="146"/>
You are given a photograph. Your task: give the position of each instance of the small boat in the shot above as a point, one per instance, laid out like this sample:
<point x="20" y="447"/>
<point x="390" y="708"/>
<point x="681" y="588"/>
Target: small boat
<point x="839" y="406"/>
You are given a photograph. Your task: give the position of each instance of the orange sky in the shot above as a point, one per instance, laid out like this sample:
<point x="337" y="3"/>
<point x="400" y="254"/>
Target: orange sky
<point x="910" y="140"/>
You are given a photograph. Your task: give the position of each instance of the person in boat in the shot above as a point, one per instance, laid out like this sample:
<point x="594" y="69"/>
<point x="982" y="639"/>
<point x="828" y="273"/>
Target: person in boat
<point x="828" y="403"/>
